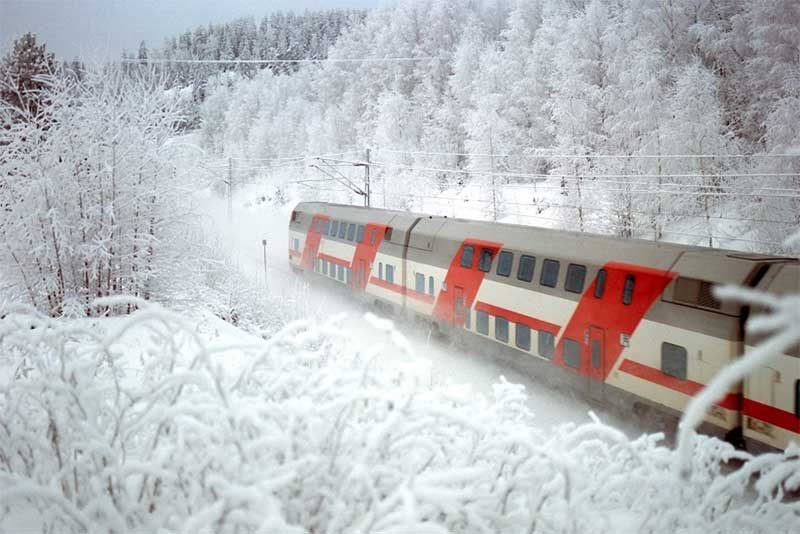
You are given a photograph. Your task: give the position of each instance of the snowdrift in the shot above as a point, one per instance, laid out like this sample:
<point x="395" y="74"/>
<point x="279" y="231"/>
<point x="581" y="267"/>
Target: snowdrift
<point x="143" y="424"/>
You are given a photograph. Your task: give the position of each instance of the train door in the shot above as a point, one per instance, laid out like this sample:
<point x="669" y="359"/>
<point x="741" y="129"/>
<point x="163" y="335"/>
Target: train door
<point x="459" y="305"/>
<point x="361" y="273"/>
<point x="597" y="362"/>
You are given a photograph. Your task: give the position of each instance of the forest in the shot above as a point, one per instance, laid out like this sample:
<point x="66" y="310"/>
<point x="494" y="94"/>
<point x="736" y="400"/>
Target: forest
<point x="149" y="382"/>
<point x="674" y="120"/>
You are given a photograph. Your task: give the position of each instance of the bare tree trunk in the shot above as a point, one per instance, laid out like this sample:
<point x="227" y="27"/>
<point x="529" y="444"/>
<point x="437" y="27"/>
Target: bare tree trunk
<point x="112" y="220"/>
<point x="135" y="246"/>
<point x="658" y="226"/>
<point x="151" y="237"/>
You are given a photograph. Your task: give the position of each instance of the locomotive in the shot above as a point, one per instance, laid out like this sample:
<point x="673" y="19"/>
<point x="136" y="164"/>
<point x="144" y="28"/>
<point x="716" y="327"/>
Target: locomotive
<point x="624" y="321"/>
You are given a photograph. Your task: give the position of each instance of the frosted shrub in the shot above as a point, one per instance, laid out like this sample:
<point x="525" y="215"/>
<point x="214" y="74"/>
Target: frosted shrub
<point x="93" y="204"/>
<point x="139" y="425"/>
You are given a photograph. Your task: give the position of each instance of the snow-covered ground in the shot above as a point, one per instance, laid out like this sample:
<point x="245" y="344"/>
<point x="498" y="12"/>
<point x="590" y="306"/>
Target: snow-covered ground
<point x="165" y="422"/>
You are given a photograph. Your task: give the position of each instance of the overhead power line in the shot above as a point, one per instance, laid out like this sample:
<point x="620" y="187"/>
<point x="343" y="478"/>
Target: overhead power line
<point x="547" y="205"/>
<point x="277" y="61"/>
<point x="581" y="175"/>
<point x="633" y="228"/>
<point x="546" y="155"/>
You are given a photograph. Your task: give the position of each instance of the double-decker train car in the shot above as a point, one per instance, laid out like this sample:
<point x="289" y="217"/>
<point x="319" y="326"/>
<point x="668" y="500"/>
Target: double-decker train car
<point x="624" y="321"/>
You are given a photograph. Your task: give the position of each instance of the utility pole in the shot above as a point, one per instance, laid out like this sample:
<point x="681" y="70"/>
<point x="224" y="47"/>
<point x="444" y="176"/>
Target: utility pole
<point x="366" y="180"/>
<point x="230" y="189"/>
<point x="264" y="244"/>
<point x="494" y="185"/>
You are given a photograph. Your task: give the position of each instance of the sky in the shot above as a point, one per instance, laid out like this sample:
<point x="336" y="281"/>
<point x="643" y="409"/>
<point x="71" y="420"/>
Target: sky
<point x="94" y="30"/>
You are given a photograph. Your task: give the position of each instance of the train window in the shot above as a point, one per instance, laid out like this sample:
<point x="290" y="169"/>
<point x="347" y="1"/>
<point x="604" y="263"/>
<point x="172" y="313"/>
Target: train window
<point x="596" y="353"/>
<point x="326" y="227"/>
<point x="600" y="286"/>
<point x="673" y="360"/>
<point x="373" y="236"/>
<point x="295" y="216"/>
<point x="349" y="275"/>
<point x="341" y="273"/>
<point x="390" y="273"/>
<point x="332" y="270"/>
<point x="342" y="230"/>
<point x="549" y="276"/>
<point x="572" y="353"/>
<point x="360" y="233"/>
<point x="482" y="322"/>
<point x="334" y="228"/>
<point x="296" y="243"/>
<point x="325" y="267"/>
<point x="351" y="232"/>
<point x="387" y="234"/>
<point x="523" y="336"/>
<point x="697" y="292"/>
<point x="380" y="271"/>
<point x="467" y="255"/>
<point x="501" y="329"/>
<point x="576" y="275"/>
<point x="419" y="283"/>
<point x="547" y="344"/>
<point x="467" y="317"/>
<point x="627" y="291"/>
<point x="504" y="261"/>
<point x="430" y="285"/>
<point x="485" y="260"/>
<point x="525" y="270"/>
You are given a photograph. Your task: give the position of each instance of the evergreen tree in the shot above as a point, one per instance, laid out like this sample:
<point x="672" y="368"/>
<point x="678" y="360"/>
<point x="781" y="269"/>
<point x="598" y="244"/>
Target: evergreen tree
<point x="25" y="71"/>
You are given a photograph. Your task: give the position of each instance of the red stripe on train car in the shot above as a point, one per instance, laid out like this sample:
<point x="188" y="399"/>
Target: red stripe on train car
<point x="532" y="322"/>
<point x="333" y="259"/>
<point x="463" y="282"/>
<point x="772" y="415"/>
<point x="422" y="297"/>
<point x="365" y="253"/>
<point x="610" y="314"/>
<point x="731" y="401"/>
<point x="313" y="238"/>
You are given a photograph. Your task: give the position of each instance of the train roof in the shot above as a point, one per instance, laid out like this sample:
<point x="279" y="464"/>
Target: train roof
<point x="582" y="247"/>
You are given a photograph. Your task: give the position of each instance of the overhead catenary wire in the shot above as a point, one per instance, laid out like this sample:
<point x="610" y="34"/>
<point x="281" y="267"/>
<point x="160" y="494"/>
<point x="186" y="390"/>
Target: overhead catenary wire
<point x="545" y="155"/>
<point x="548" y="205"/>
<point x="590" y="182"/>
<point x="638" y="228"/>
<point x="299" y="156"/>
<point x="581" y="175"/>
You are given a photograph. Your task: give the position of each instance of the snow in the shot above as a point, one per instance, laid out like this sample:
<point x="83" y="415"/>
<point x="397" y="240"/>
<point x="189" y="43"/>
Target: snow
<point x="257" y="402"/>
<point x="198" y="427"/>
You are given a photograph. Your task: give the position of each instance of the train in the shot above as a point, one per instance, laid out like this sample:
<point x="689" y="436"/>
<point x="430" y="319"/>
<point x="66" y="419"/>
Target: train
<point x="626" y="322"/>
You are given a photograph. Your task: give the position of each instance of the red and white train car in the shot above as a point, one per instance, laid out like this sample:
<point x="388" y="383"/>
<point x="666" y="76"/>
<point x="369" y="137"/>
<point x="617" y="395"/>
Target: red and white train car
<point x="625" y="321"/>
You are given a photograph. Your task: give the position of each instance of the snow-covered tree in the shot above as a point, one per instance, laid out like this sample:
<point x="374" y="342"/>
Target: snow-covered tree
<point x="25" y="74"/>
<point x="93" y="205"/>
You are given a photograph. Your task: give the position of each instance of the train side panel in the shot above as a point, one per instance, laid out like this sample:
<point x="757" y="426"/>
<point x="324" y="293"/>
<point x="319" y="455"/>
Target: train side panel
<point x="771" y="407"/>
<point x="635" y="318"/>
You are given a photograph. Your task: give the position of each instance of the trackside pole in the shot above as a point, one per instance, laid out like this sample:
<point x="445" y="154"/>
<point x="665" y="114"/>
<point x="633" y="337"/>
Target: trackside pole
<point x="366" y="180"/>
<point x="264" y="245"/>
